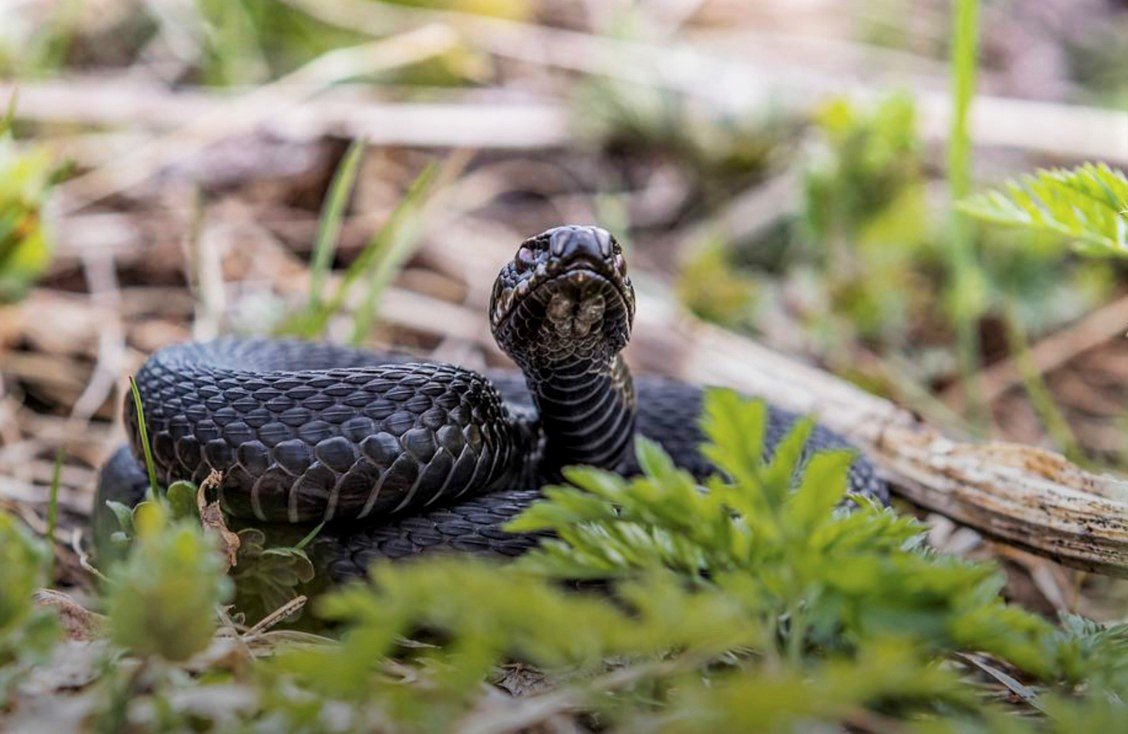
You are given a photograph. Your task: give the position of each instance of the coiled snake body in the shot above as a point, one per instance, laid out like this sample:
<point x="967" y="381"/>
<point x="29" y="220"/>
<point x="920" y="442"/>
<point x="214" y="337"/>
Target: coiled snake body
<point x="402" y="457"/>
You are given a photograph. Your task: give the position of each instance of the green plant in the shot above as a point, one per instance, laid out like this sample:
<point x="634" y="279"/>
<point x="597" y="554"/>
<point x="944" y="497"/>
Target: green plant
<point x="26" y="179"/>
<point x="375" y="265"/>
<point x="329" y="224"/>
<point x="756" y="601"/>
<point x="1087" y="205"/>
<point x="252" y="41"/>
<point x="143" y="436"/>
<point x="1094" y="656"/>
<point x="162" y="600"/>
<point x="712" y="288"/>
<point x="53" y="507"/>
<point x="267" y="576"/>
<point x="966" y="286"/>
<point x="815" y="574"/>
<point x="27" y="634"/>
<point x="864" y="214"/>
<point x="862" y="161"/>
<point x="716" y="147"/>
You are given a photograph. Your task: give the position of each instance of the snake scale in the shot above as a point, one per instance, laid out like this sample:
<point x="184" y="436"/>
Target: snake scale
<point x="401" y="457"/>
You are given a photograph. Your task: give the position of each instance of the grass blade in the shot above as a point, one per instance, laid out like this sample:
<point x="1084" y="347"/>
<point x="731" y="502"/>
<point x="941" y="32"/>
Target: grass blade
<point x="375" y="262"/>
<point x="965" y="287"/>
<point x="329" y="224"/>
<point x="309" y="537"/>
<point x="390" y="248"/>
<point x="143" y="433"/>
<point x="53" y="508"/>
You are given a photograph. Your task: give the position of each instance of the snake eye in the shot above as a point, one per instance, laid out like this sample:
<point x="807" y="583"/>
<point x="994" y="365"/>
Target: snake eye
<point x="525" y="258"/>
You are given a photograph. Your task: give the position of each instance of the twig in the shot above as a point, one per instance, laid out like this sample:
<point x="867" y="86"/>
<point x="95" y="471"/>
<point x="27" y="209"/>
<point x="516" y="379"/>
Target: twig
<point x="523" y="713"/>
<point x="1024" y="693"/>
<point x="83" y="559"/>
<point x="204" y="269"/>
<point x="457" y="122"/>
<point x="277" y="616"/>
<point x="101" y="279"/>
<point x="1070" y="131"/>
<point x="1096" y="328"/>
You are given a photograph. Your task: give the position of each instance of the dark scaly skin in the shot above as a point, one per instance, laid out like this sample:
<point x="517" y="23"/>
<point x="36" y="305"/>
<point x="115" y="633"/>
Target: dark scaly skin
<point x="408" y="457"/>
<point x="562" y="309"/>
<point x="298" y="440"/>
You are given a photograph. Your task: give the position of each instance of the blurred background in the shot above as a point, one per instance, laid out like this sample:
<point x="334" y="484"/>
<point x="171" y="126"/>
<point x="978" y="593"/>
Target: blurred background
<point x="359" y="170"/>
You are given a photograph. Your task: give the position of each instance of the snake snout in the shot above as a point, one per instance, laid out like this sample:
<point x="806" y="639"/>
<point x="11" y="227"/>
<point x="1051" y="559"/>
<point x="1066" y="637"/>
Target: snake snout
<point x="589" y="243"/>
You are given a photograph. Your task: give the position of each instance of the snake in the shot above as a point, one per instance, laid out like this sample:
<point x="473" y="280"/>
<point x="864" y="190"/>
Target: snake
<point x="399" y="457"/>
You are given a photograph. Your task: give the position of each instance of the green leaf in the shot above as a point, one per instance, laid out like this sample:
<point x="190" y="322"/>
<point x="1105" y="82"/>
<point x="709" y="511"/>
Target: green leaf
<point x="329" y="224"/>
<point x="162" y="599"/>
<point x="9" y="114"/>
<point x="143" y="435"/>
<point x="123" y="514"/>
<point x="308" y="538"/>
<point x="821" y="490"/>
<point x="780" y="473"/>
<point x="26" y="632"/>
<point x="734" y="427"/>
<point x="1087" y="204"/>
<point x="182" y="500"/>
<point x="267" y="577"/>
<point x="28" y="173"/>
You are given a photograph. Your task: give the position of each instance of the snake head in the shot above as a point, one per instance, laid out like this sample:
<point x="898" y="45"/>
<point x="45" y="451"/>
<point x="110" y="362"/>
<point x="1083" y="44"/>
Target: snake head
<point x="564" y="296"/>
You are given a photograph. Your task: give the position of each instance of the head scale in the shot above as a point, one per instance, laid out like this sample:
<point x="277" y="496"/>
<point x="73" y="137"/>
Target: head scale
<point x="564" y="297"/>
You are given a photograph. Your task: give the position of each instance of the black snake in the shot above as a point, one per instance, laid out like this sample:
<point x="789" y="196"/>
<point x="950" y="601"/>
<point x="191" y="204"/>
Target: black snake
<point x="402" y="457"/>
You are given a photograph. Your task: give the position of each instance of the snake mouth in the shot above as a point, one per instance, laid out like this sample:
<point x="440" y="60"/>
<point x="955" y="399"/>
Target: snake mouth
<point x="581" y="276"/>
<point x="570" y="273"/>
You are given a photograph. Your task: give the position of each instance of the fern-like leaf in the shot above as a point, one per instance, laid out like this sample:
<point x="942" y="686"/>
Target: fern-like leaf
<point x="1088" y="205"/>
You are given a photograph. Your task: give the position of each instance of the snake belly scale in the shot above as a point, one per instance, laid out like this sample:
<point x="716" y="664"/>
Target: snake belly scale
<point x="401" y="457"/>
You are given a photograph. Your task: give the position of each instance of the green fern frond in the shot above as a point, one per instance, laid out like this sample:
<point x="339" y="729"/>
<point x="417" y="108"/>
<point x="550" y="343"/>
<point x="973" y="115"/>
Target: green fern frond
<point x="1088" y="205"/>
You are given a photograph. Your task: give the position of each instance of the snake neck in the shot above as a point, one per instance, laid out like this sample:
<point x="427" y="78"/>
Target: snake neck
<point x="587" y="414"/>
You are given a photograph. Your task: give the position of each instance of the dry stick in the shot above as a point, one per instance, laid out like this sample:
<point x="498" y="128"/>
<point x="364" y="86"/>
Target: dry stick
<point x="203" y="266"/>
<point x="104" y="294"/>
<point x="245" y="112"/>
<point x="338" y="111"/>
<point x="511" y="125"/>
